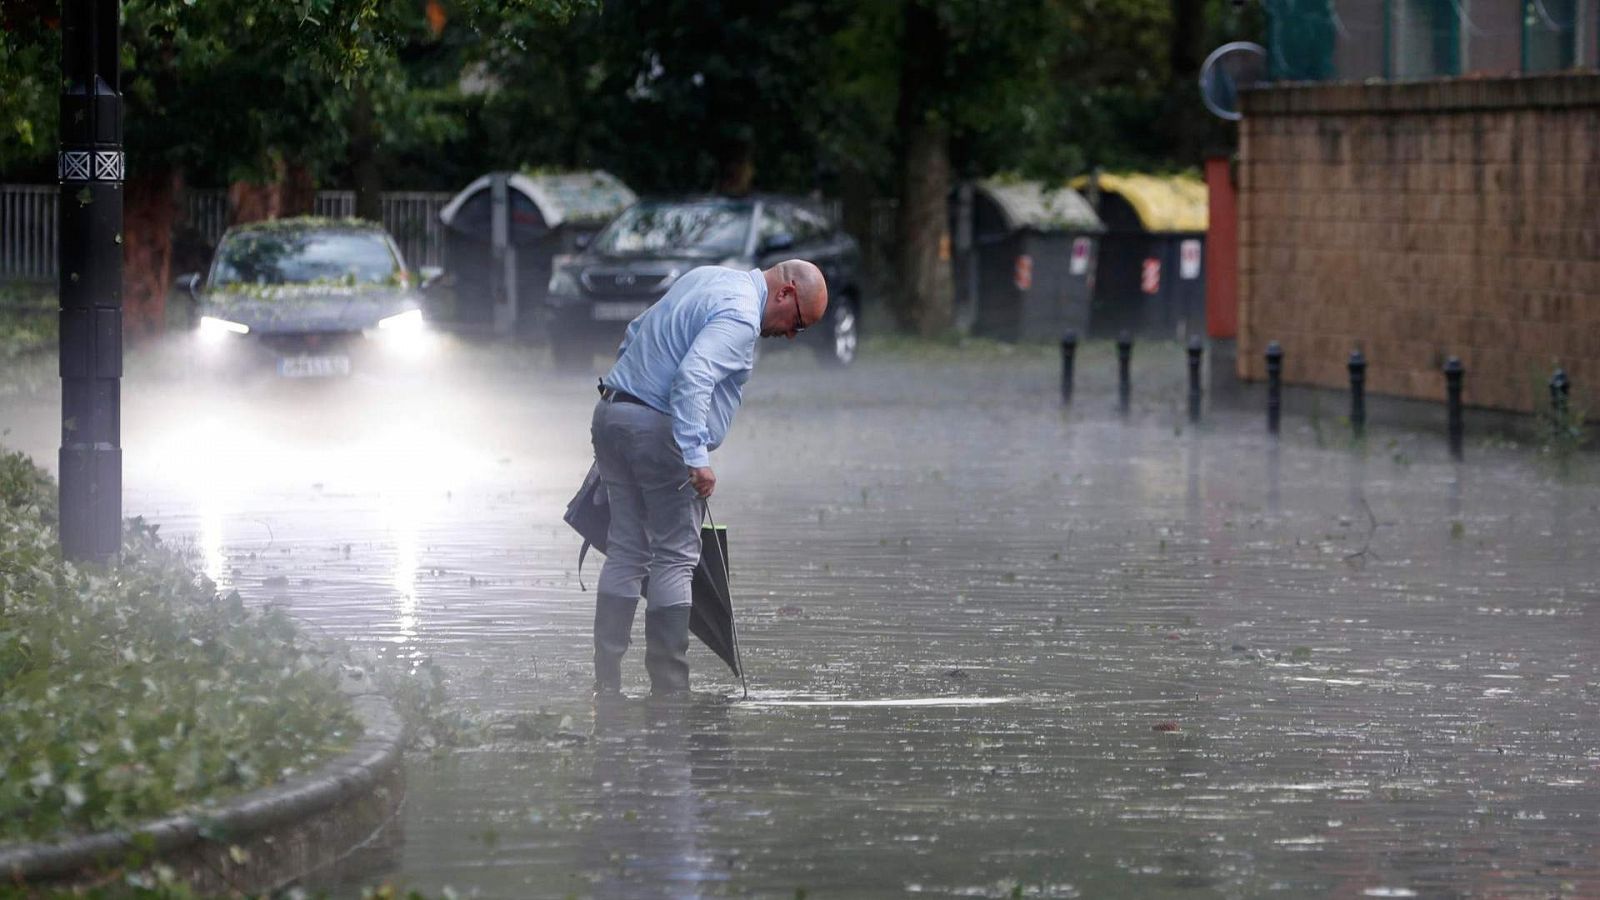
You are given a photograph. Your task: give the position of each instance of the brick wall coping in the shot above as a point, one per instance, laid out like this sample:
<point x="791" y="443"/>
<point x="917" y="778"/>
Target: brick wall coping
<point x="1444" y="95"/>
<point x="349" y="776"/>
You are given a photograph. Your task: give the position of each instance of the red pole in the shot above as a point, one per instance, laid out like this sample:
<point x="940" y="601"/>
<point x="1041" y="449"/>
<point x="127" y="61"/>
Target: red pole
<point x="1222" y="250"/>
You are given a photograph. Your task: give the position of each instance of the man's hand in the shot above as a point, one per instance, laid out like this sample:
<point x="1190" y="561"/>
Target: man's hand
<point x="704" y="480"/>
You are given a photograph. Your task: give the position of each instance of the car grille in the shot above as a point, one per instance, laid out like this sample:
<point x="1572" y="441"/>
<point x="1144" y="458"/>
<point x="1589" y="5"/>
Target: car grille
<point x="308" y="344"/>
<point x="628" y="281"/>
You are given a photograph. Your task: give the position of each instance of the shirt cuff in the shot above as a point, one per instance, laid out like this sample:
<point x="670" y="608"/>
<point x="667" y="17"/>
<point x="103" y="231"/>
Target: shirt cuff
<point x="697" y="458"/>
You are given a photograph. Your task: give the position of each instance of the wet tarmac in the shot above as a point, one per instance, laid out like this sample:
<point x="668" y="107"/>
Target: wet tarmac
<point x="995" y="647"/>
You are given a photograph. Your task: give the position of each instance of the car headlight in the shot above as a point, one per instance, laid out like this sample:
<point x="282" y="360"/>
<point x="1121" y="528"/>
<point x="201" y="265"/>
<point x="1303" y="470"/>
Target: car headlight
<point x="563" y="284"/>
<point x="408" y="321"/>
<point x="214" y="329"/>
<point x="404" y="335"/>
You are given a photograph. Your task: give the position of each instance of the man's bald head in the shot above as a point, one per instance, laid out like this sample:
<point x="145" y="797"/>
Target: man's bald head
<point x="797" y="297"/>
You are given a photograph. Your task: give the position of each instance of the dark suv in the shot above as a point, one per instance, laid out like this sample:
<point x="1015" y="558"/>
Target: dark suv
<point x="632" y="261"/>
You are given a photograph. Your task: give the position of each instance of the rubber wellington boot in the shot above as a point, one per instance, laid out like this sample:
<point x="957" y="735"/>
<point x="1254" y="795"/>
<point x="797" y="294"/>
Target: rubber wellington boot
<point x="613" y="626"/>
<point x="666" y="650"/>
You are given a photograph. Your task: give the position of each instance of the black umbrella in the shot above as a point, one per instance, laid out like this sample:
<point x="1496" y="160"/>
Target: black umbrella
<point x="711" y="615"/>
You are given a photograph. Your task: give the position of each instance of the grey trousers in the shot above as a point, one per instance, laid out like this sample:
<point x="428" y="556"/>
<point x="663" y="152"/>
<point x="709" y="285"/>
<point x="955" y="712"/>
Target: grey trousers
<point x="655" y="515"/>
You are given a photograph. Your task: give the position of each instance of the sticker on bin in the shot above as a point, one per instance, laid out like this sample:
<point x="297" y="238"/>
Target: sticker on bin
<point x="1022" y="272"/>
<point x="314" y="366"/>
<point x="1080" y="256"/>
<point x="1189" y="260"/>
<point x="613" y="311"/>
<point x="1150" y="276"/>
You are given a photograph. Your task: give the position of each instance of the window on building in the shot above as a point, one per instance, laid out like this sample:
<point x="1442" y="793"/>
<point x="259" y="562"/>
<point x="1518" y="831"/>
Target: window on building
<point x="1550" y="34"/>
<point x="1424" y="38"/>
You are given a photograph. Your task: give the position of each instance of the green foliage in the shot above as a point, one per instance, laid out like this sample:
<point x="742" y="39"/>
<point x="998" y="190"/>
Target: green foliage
<point x="1564" y="427"/>
<point x="26" y="490"/>
<point x="433" y="720"/>
<point x="138" y="689"/>
<point x="231" y="89"/>
<point x="306" y="223"/>
<point x="28" y="320"/>
<point x="30" y="53"/>
<point x="706" y="88"/>
<point x="803" y="91"/>
<point x="1560" y="431"/>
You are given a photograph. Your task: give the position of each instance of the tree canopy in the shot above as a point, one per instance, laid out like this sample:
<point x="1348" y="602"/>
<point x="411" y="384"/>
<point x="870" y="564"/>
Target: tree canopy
<point x="853" y="98"/>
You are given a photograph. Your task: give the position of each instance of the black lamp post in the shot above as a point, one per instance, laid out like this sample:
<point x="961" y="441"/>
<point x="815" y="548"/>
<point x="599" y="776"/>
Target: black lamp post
<point x="90" y="167"/>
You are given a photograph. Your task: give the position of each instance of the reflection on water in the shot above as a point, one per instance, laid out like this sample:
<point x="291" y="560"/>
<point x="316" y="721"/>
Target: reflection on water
<point x="898" y="701"/>
<point x="209" y="538"/>
<point x="652" y="763"/>
<point x="212" y="496"/>
<point x="402" y="514"/>
<point x="991" y="647"/>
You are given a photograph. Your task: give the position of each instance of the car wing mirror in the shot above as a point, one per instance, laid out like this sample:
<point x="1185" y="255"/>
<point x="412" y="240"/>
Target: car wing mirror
<point x="428" y="276"/>
<point x="188" y="282"/>
<point x="780" y="241"/>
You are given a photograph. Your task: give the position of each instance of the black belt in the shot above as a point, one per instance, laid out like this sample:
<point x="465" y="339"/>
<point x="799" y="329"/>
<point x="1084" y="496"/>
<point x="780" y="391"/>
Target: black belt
<point x="616" y="396"/>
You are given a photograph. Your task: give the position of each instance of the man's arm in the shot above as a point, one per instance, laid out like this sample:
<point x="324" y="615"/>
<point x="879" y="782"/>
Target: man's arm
<point x="721" y="349"/>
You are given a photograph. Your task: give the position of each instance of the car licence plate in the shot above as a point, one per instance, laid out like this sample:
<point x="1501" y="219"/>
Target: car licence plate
<point x="313" y="366"/>
<point x="613" y="311"/>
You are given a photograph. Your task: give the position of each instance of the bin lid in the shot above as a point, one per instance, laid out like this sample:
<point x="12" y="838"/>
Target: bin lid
<point x="579" y="198"/>
<point x="1162" y="202"/>
<point x="1033" y="205"/>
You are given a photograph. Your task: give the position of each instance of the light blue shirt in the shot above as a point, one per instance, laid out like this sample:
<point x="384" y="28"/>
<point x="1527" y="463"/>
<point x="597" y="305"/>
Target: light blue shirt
<point x="691" y="352"/>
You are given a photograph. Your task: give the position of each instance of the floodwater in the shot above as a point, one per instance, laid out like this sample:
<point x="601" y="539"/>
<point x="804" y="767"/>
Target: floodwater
<point x="995" y="648"/>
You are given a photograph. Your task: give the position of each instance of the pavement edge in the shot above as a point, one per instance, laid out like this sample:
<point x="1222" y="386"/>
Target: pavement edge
<point x="259" y="841"/>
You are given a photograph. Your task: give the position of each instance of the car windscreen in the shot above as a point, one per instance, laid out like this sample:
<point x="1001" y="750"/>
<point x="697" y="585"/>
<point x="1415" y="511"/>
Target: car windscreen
<point x="284" y="256"/>
<point x="668" y="229"/>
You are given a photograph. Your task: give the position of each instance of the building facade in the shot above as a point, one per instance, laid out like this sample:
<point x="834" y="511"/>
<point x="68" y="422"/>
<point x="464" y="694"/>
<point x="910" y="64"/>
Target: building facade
<point x="1428" y="218"/>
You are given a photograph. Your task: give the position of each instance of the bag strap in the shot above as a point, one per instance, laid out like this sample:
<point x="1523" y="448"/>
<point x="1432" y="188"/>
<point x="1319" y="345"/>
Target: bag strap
<point x="582" y="552"/>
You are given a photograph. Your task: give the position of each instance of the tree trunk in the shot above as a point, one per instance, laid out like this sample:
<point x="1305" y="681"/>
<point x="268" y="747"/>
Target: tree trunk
<point x="364" y="156"/>
<point x="291" y="192"/>
<point x="923" y="298"/>
<point x="857" y="196"/>
<point x="736" y="168"/>
<point x="297" y="191"/>
<point x="252" y="201"/>
<point x="927" y="287"/>
<point x="150" y="210"/>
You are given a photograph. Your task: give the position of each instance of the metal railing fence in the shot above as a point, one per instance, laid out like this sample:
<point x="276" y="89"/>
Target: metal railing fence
<point x="207" y="213"/>
<point x="413" y="218"/>
<point x="28" y="224"/>
<point x="27" y="232"/>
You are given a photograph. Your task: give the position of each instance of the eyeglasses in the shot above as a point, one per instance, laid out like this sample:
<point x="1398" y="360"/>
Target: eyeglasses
<point x="799" y="317"/>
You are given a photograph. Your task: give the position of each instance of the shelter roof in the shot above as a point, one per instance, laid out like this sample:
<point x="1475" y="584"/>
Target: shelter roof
<point x="584" y="198"/>
<point x="1162" y="202"/>
<point x="1032" y="205"/>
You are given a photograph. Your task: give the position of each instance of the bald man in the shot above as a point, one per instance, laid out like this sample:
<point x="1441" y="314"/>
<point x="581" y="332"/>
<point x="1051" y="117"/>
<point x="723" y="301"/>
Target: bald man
<point x="665" y="405"/>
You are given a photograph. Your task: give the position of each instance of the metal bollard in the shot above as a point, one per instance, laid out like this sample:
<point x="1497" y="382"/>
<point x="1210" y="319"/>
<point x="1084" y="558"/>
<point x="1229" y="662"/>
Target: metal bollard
<point x="1196" y="349"/>
<point x="1069" y="350"/>
<point x="1453" y="372"/>
<point x="1274" y="386"/>
<point x="1124" y="357"/>
<point x="1358" y="393"/>
<point x="1560" y="388"/>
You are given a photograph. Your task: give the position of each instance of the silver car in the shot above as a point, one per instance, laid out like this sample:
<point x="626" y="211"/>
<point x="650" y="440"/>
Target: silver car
<point x="308" y="298"/>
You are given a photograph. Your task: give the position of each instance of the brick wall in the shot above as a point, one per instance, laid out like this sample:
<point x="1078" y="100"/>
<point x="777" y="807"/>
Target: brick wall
<point x="1419" y="221"/>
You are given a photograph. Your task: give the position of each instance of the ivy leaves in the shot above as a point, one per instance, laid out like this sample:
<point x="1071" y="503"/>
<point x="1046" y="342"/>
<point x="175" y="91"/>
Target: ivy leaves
<point x="135" y="690"/>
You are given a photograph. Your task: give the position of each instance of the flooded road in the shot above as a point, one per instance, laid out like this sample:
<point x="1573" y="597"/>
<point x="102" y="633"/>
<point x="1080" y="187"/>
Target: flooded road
<point x="995" y="648"/>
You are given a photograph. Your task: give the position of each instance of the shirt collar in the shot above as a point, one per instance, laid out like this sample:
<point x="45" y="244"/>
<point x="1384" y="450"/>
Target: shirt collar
<point x="761" y="289"/>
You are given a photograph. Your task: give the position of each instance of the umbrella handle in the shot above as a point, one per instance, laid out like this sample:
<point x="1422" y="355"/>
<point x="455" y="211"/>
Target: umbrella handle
<point x="733" y="625"/>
